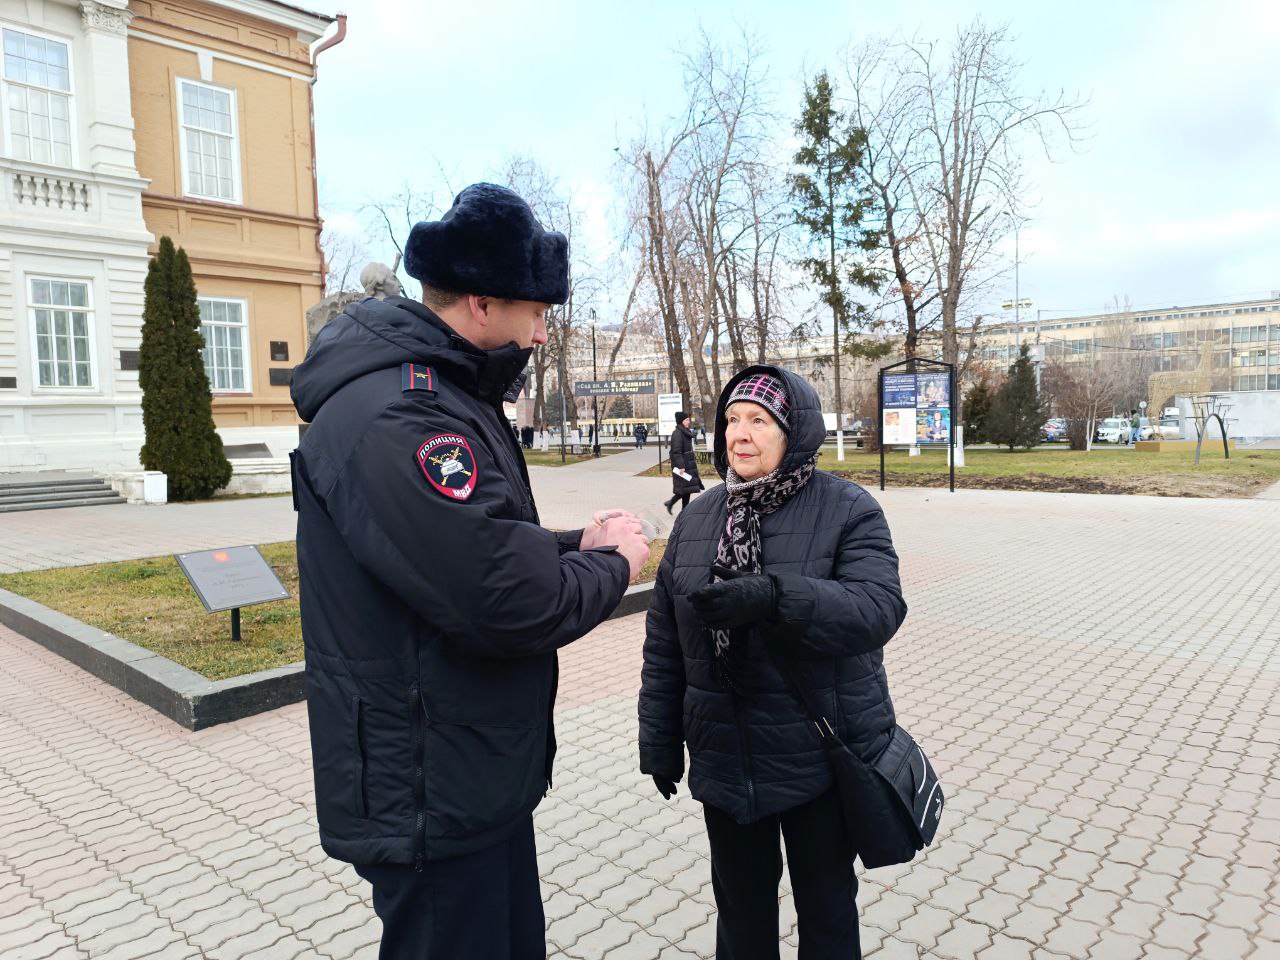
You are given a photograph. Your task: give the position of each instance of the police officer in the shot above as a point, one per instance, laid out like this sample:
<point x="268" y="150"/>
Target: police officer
<point x="433" y="603"/>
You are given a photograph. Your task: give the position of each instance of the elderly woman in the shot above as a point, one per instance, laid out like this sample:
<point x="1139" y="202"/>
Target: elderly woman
<point x="780" y="561"/>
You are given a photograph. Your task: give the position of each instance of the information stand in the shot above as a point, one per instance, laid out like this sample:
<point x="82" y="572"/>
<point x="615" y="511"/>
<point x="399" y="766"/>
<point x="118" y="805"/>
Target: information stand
<point x="917" y="408"/>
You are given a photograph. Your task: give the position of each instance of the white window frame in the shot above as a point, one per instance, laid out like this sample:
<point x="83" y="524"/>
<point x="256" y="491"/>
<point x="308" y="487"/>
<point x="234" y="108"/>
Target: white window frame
<point x="236" y="186"/>
<point x="245" y="351"/>
<point x="70" y="94"/>
<point x="91" y="331"/>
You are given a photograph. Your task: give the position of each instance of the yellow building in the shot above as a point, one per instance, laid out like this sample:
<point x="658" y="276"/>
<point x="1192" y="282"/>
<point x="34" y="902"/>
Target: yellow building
<point x="222" y="108"/>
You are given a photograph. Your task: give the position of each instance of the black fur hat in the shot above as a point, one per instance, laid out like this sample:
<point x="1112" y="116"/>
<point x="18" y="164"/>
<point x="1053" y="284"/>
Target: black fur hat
<point x="489" y="243"/>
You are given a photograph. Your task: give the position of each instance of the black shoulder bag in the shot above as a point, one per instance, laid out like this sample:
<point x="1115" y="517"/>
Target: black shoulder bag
<point x="891" y="806"/>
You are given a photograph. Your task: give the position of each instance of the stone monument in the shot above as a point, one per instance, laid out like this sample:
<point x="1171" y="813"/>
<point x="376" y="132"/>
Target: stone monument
<point x="378" y="280"/>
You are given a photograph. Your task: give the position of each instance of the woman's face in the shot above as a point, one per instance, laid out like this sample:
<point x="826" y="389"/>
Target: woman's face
<point x="754" y="440"/>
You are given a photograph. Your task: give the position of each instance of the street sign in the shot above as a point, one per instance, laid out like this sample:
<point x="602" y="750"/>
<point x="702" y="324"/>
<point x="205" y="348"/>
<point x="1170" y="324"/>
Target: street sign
<point x="231" y="577"/>
<point x="609" y="388"/>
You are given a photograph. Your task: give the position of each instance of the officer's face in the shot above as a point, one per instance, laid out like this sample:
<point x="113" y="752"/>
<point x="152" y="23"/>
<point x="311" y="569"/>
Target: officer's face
<point x="523" y="321"/>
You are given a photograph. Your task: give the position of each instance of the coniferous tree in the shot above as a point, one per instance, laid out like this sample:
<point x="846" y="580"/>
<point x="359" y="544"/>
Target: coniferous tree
<point x="1018" y="411"/>
<point x="977" y="404"/>
<point x="621" y="407"/>
<point x="177" y="408"/>
<point x="832" y="202"/>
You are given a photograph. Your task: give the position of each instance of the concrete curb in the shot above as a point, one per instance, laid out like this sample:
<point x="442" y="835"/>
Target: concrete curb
<point x="182" y="695"/>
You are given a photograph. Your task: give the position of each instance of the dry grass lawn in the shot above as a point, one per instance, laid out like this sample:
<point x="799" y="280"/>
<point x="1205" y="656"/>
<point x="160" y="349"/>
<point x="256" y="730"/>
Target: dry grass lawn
<point x="150" y="603"/>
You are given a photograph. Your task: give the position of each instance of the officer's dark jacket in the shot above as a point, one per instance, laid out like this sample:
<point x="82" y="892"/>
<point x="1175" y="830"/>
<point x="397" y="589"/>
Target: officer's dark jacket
<point x="430" y="622"/>
<point x="752" y="751"/>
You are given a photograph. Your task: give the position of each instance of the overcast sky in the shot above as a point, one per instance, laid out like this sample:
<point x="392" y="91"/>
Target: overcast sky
<point x="1173" y="197"/>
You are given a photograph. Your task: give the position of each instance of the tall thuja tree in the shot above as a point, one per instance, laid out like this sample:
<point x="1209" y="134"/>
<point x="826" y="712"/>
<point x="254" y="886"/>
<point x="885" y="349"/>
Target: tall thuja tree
<point x="1018" y="411"/>
<point x="177" y="408"/>
<point x="977" y="405"/>
<point x="832" y="202"/>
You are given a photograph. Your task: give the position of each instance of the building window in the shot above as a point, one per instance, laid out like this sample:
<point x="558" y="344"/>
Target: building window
<point x="1273" y="381"/>
<point x="61" y="316"/>
<point x="210" y="151"/>
<point x="37" y="97"/>
<point x="222" y="322"/>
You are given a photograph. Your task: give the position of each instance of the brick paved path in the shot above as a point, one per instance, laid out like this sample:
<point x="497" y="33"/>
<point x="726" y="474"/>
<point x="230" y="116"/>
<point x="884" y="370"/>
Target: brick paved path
<point x="1112" y="755"/>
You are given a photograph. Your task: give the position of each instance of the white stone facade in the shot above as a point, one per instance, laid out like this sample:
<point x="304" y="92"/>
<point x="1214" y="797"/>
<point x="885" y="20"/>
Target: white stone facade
<point x="73" y="244"/>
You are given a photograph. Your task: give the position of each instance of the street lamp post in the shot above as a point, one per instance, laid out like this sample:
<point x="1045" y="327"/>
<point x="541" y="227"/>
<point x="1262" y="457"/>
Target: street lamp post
<point x="595" y="401"/>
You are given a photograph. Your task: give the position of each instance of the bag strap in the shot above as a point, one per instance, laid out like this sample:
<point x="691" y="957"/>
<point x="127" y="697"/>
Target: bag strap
<point x="787" y="667"/>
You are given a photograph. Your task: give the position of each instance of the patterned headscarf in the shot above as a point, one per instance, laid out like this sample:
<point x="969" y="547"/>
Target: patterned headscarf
<point x="740" y="544"/>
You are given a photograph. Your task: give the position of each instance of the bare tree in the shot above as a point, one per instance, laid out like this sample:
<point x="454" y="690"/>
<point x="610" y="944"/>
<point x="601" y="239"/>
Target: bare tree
<point x="1082" y="391"/>
<point x="391" y="218"/>
<point x="344" y="256"/>
<point x="951" y="140"/>
<point x="708" y="218"/>
<point x="879" y="105"/>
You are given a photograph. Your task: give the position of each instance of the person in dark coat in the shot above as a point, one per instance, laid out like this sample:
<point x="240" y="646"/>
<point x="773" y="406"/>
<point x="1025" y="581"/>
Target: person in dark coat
<point x="433" y="603"/>
<point x="782" y="560"/>
<point x="638" y="433"/>
<point x="683" y="461"/>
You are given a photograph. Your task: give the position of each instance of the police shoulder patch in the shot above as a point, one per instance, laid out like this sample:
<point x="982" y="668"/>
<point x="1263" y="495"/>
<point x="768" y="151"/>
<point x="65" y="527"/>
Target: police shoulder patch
<point x="449" y="465"/>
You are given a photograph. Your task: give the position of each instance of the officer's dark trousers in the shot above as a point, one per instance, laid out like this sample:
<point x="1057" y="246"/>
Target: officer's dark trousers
<point x="746" y="866"/>
<point x="482" y="906"/>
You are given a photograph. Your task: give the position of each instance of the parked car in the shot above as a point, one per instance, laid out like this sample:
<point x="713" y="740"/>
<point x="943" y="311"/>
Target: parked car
<point x="1113" y="430"/>
<point x="1054" y="430"/>
<point x="1166" y="428"/>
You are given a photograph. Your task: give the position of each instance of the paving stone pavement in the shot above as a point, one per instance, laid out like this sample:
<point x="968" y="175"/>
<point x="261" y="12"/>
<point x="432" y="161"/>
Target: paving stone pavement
<point x="1096" y="679"/>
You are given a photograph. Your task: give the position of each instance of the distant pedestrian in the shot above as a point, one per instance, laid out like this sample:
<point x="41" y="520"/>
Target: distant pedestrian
<point x="782" y="560"/>
<point x="685" y="481"/>
<point x="644" y="435"/>
<point x="1135" y="428"/>
<point x="638" y="433"/>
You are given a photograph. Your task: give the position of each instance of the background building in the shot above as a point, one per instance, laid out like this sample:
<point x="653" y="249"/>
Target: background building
<point x="222" y="99"/>
<point x="73" y="244"/>
<point x="1240" y="339"/>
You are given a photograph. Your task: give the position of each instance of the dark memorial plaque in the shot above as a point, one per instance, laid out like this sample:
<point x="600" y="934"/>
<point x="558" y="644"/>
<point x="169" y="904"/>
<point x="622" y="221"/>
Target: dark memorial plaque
<point x="231" y="577"/>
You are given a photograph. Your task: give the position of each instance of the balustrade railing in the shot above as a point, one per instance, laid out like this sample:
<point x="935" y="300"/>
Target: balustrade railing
<point x="43" y="190"/>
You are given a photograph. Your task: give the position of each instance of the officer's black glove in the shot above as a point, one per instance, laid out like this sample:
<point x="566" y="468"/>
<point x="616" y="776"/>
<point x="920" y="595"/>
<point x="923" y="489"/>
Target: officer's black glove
<point x="665" y="787"/>
<point x="732" y="603"/>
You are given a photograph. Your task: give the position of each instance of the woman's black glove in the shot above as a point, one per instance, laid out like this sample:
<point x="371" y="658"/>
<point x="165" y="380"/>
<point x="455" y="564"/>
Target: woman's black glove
<point x="744" y="599"/>
<point x="665" y="787"/>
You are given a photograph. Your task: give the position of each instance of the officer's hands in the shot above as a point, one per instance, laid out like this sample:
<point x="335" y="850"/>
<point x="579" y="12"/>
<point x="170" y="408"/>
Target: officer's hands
<point x="627" y="535"/>
<point x="591" y="532"/>
<point x="733" y="603"/>
<point x="665" y="787"/>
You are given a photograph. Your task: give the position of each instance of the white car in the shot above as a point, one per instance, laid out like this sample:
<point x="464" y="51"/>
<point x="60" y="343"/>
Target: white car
<point x="1166" y="428"/>
<point x="1113" y="430"/>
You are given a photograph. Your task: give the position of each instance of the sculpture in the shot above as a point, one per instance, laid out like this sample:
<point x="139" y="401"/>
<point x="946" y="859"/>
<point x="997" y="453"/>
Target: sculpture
<point x="378" y="280"/>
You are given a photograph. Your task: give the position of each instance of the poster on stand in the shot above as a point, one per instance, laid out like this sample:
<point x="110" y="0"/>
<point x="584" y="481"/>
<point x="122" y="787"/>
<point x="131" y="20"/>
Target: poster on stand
<point x="933" y="390"/>
<point x="899" y="427"/>
<point x="669" y="405"/>
<point x="933" y="426"/>
<point x="899" y="390"/>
